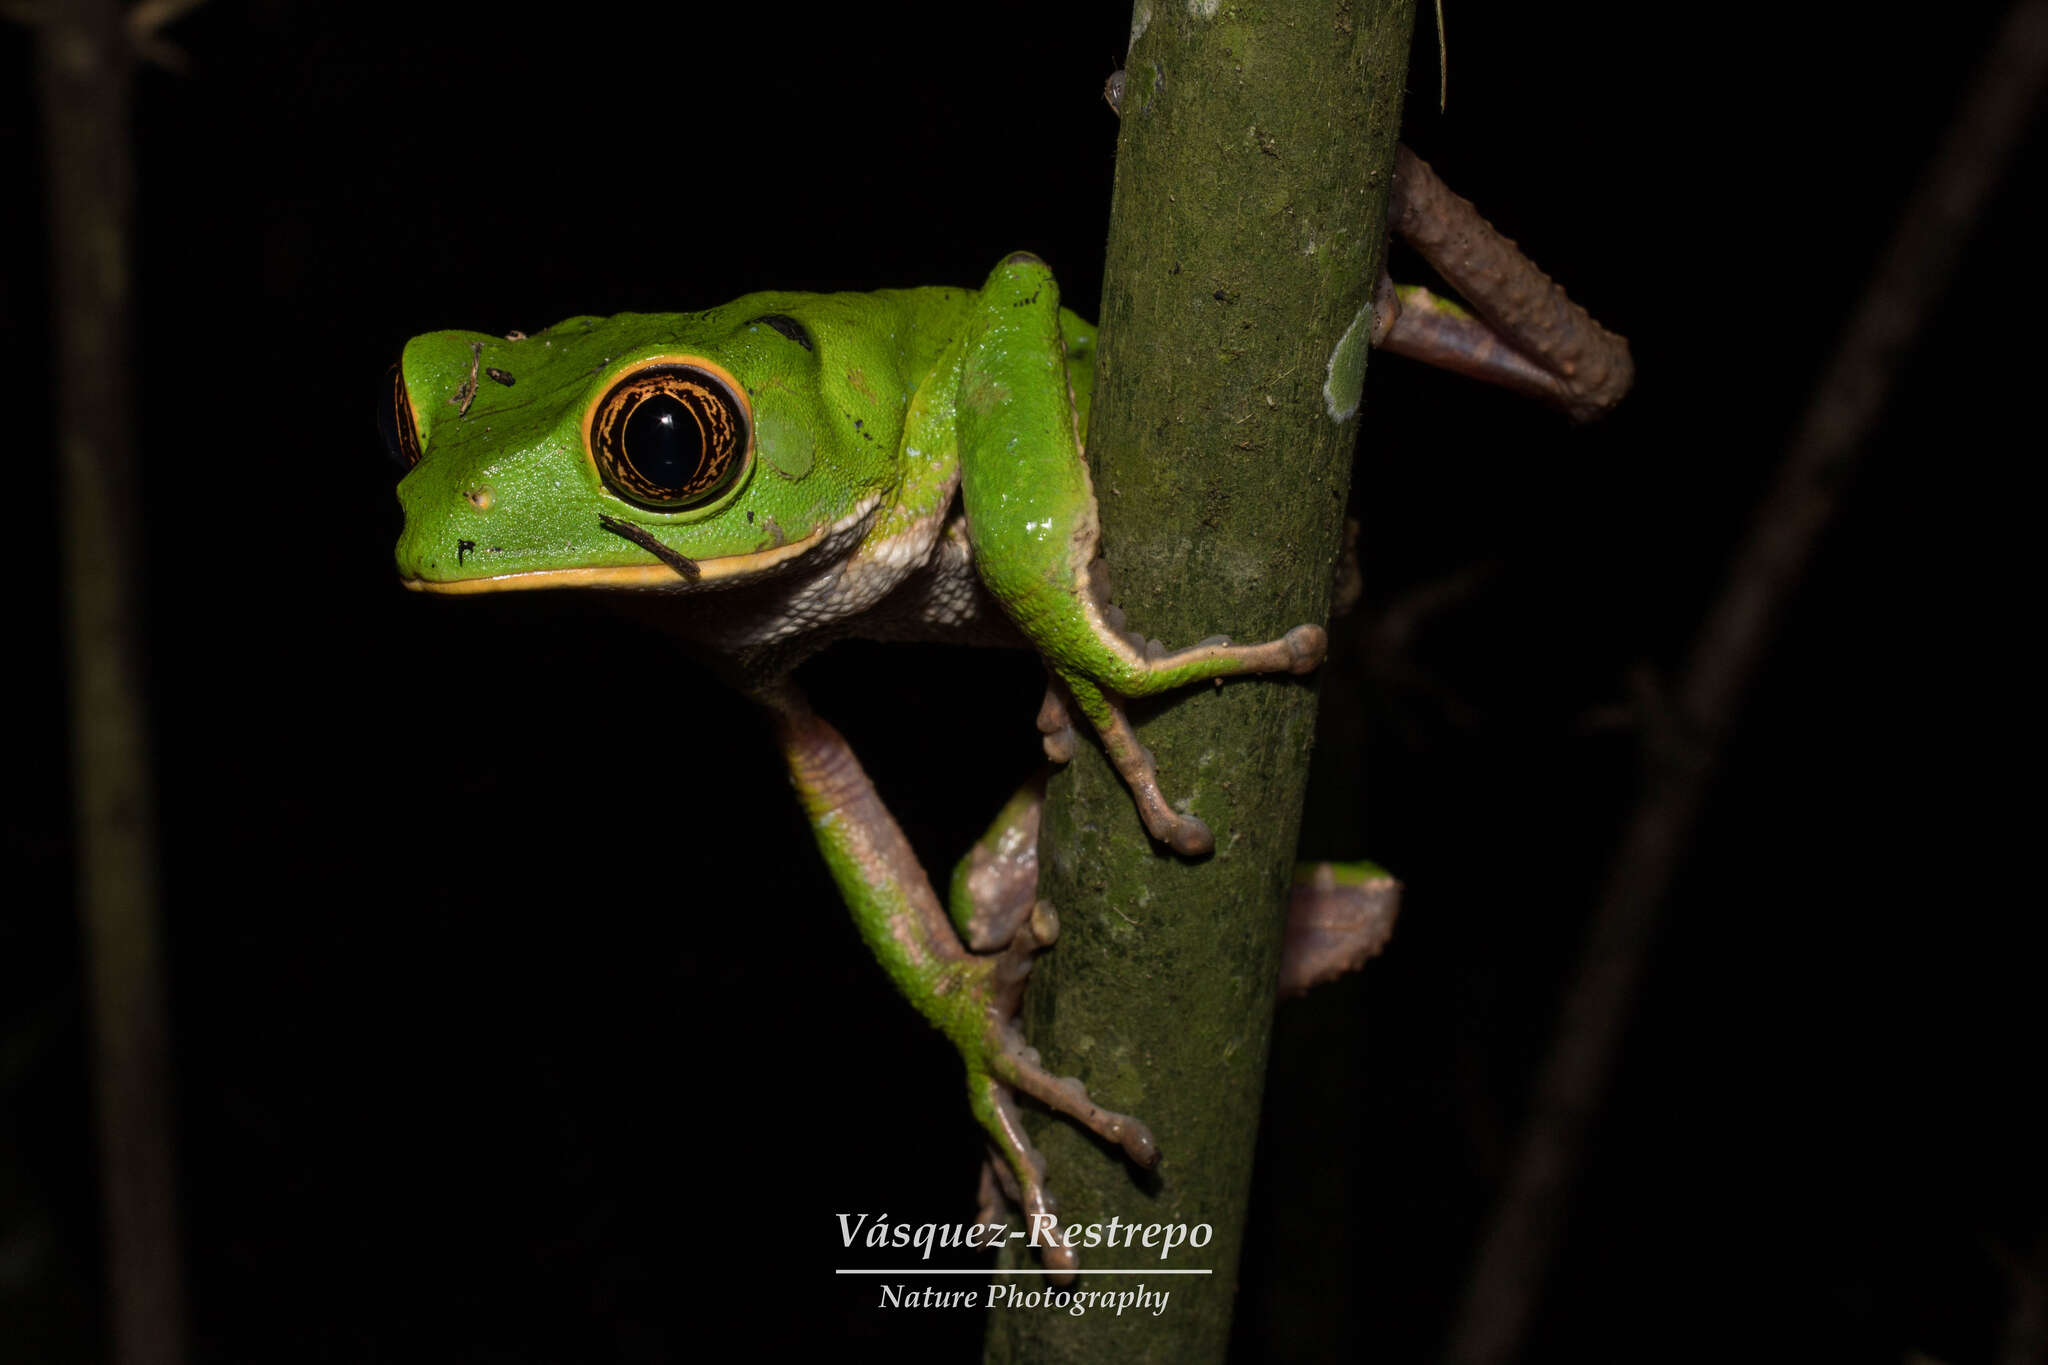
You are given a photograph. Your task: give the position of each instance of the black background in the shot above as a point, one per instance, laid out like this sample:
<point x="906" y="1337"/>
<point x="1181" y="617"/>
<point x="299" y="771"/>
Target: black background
<point x="507" y="1031"/>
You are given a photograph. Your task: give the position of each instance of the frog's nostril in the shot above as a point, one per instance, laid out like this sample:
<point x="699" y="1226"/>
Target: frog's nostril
<point x="481" y="499"/>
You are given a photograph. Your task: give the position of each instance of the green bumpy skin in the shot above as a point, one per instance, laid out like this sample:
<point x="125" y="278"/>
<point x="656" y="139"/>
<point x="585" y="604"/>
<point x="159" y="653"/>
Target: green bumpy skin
<point x="898" y="465"/>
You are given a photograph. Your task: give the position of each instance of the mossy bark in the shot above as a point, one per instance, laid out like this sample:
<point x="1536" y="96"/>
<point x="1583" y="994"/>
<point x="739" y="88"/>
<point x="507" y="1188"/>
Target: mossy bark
<point x="1248" y="227"/>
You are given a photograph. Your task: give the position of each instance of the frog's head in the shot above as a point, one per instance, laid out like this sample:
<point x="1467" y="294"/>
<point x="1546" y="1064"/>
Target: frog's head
<point x="657" y="451"/>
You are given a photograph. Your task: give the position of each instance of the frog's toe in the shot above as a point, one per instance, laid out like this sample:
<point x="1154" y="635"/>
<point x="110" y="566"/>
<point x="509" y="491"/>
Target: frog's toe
<point x="1004" y="1065"/>
<point x="1017" y="1066"/>
<point x="1306" y="645"/>
<point x="1056" y="725"/>
<point x="996" y="1184"/>
<point x="1185" y="834"/>
<point x="1018" y="1169"/>
<point x="1190" y="837"/>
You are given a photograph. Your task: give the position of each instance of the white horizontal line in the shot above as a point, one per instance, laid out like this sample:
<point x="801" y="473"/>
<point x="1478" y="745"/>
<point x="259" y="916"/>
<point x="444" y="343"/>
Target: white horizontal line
<point x="1084" y="1270"/>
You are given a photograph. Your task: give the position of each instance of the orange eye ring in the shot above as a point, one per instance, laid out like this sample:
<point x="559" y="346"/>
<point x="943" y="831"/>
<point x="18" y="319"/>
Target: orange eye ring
<point x="398" y="423"/>
<point x="673" y="434"/>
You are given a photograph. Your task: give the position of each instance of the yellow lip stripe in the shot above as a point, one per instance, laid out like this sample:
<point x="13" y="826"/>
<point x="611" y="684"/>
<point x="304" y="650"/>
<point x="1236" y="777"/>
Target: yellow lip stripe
<point x="623" y="575"/>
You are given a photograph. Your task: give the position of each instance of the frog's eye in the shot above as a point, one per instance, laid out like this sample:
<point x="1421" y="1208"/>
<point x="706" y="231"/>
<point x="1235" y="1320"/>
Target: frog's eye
<point x="670" y="435"/>
<point x="395" y="420"/>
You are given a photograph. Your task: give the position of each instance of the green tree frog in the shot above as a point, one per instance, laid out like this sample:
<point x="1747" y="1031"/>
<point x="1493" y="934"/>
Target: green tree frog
<point x="790" y="469"/>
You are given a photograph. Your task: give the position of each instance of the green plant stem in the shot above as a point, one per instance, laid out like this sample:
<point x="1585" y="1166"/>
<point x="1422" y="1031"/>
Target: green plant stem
<point x="1248" y="228"/>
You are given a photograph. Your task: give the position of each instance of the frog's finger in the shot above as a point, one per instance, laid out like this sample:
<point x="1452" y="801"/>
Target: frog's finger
<point x="1300" y="650"/>
<point x="1185" y="834"/>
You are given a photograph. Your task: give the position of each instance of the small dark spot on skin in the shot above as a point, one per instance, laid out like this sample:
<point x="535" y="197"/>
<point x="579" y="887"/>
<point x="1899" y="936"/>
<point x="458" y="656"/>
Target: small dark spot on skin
<point x="750" y="517"/>
<point x="463" y="550"/>
<point x="856" y="424"/>
<point x="1175" y="270"/>
<point x="501" y="376"/>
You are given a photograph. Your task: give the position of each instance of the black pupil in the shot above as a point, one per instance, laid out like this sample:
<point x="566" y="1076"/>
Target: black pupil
<point x="664" y="441"/>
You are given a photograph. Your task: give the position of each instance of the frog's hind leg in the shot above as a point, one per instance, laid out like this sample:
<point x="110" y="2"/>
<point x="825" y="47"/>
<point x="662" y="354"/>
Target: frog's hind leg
<point x="970" y="997"/>
<point x="994" y="904"/>
<point x="1522" y="331"/>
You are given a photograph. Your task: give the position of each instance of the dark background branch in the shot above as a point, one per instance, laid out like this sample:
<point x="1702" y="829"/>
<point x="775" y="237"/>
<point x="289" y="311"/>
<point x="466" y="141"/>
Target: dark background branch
<point x="1685" y="740"/>
<point x="84" y="72"/>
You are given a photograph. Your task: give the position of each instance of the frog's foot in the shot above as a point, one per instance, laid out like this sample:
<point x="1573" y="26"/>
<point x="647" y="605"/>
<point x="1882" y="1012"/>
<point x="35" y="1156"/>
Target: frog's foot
<point x="1182" y="831"/>
<point x="1185" y="834"/>
<point x="1125" y="664"/>
<point x="995" y="892"/>
<point x="1021" y="1170"/>
<point x="1338" y="916"/>
<point x="1015" y="1063"/>
<point x="1000" y="1065"/>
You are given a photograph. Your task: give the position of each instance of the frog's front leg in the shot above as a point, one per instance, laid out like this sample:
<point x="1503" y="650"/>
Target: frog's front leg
<point x="970" y="997"/>
<point x="1031" y="515"/>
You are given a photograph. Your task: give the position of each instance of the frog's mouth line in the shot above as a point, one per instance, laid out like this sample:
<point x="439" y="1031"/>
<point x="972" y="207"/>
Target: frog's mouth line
<point x="657" y="575"/>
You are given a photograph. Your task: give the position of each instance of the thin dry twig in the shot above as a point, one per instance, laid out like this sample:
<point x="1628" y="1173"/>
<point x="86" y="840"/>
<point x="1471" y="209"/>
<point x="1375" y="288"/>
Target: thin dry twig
<point x="1528" y="1221"/>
